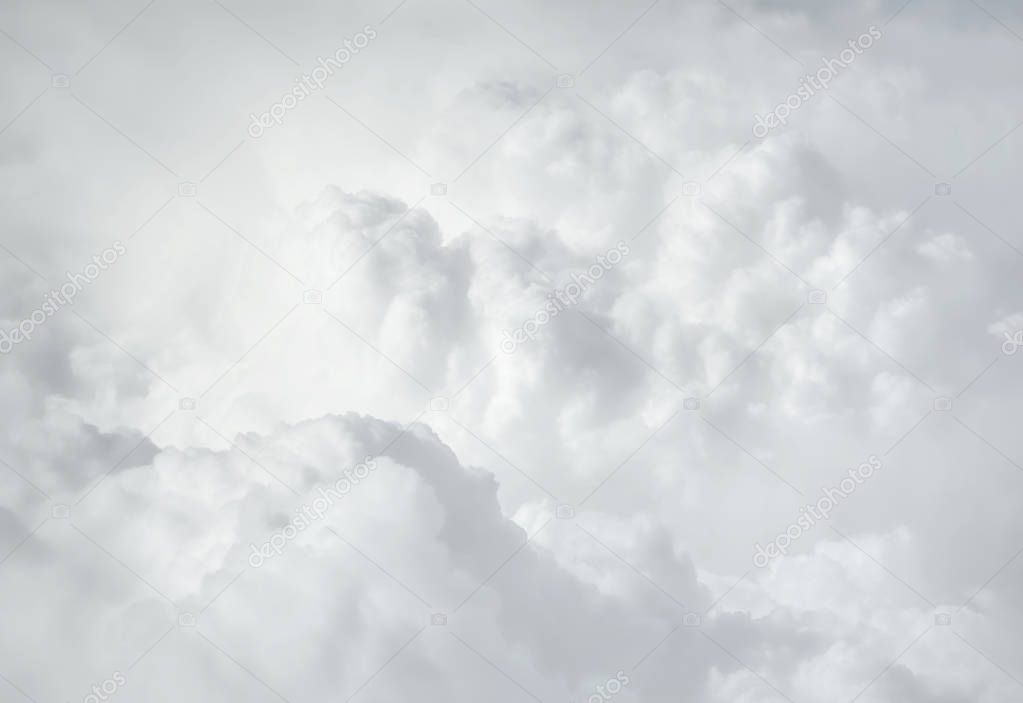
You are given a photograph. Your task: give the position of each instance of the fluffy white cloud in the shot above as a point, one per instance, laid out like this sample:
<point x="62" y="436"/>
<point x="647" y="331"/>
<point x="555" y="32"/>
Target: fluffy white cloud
<point x="785" y="309"/>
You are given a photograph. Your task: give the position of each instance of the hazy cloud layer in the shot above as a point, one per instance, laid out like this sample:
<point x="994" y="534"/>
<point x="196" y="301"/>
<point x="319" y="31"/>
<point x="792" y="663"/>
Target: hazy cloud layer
<point x="509" y="359"/>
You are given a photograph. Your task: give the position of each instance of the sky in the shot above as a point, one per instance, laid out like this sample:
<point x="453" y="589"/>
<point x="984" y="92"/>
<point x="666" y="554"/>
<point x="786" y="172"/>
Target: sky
<point x="579" y="351"/>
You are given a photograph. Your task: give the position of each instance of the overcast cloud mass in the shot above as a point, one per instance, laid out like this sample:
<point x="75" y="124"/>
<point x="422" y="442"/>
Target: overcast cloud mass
<point x="462" y="350"/>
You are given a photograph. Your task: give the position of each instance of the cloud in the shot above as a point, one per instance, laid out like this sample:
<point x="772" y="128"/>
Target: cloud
<point x="787" y="308"/>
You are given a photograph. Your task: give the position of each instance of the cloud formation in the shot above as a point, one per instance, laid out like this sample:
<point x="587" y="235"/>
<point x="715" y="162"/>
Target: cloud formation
<point x="538" y="520"/>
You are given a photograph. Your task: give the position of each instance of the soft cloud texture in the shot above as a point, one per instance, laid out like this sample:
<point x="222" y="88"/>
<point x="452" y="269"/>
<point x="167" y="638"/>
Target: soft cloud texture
<point x="589" y="504"/>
